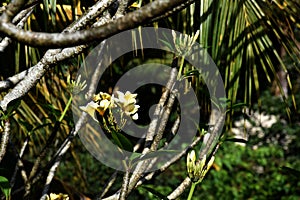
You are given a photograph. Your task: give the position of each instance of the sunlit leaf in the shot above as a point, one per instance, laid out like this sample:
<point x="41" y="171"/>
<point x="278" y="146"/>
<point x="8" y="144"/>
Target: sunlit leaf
<point x="5" y="187"/>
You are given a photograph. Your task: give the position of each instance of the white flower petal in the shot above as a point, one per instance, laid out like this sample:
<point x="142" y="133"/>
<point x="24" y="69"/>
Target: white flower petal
<point x="90" y="109"/>
<point x="135" y="116"/>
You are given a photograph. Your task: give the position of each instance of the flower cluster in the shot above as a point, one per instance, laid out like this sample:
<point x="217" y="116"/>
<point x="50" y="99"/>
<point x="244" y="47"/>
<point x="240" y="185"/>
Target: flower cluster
<point x="127" y="102"/>
<point x="102" y="102"/>
<point x="75" y="86"/>
<point x="197" y="169"/>
<point x="184" y="43"/>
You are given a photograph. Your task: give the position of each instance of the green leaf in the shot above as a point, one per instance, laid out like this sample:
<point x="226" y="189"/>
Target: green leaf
<point x="224" y="100"/>
<point x="26" y="125"/>
<point x="51" y="109"/>
<point x="122" y="141"/>
<point x="153" y="191"/>
<point x="239" y="105"/>
<point x="192" y="73"/>
<point x="135" y="156"/>
<point x="5" y="187"/>
<point x="13" y="105"/>
<point x="169" y="46"/>
<point x="240" y="140"/>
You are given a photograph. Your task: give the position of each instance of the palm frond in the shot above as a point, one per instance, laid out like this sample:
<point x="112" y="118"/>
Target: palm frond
<point x="247" y="40"/>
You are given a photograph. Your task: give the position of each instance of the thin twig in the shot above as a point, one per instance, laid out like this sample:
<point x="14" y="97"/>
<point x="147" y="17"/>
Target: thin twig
<point x="164" y="120"/>
<point x="213" y="137"/>
<point x="124" y="187"/>
<point x="41" y="156"/>
<point x="22" y="18"/>
<point x="66" y="145"/>
<point x="49" y="178"/>
<point x="161" y="128"/>
<point x="95" y="77"/>
<point x="108" y="185"/>
<point x="173" y="130"/>
<point x="13" y="80"/>
<point x="180" y="189"/>
<point x="139" y="143"/>
<point x="4" y="138"/>
<point x="11" y="10"/>
<point x="150" y="175"/>
<point x="20" y="164"/>
<point x="158" y="111"/>
<point x="210" y="145"/>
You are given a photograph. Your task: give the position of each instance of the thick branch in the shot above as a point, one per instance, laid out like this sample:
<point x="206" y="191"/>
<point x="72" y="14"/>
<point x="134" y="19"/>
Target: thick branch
<point x="131" y="20"/>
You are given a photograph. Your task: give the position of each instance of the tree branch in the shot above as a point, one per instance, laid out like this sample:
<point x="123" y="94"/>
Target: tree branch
<point x="174" y="10"/>
<point x="13" y="80"/>
<point x="213" y="137"/>
<point x="179" y="190"/>
<point x="4" y="138"/>
<point x="20" y="164"/>
<point x="150" y="175"/>
<point x="21" y="17"/>
<point x="108" y="185"/>
<point x="131" y="20"/>
<point x="143" y="165"/>
<point x="12" y="9"/>
<point x="53" y="56"/>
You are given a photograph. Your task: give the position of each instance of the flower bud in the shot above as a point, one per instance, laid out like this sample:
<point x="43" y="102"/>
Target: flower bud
<point x="190" y="163"/>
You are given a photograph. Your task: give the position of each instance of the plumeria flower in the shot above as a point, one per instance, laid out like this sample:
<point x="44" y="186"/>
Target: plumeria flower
<point x="102" y="96"/>
<point x="101" y="102"/>
<point x="104" y="104"/>
<point x="90" y="109"/>
<point x="127" y="102"/>
<point x="59" y="196"/>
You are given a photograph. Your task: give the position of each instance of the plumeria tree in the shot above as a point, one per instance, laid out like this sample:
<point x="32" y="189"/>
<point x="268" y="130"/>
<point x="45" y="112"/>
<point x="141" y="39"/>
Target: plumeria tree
<point x="253" y="43"/>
